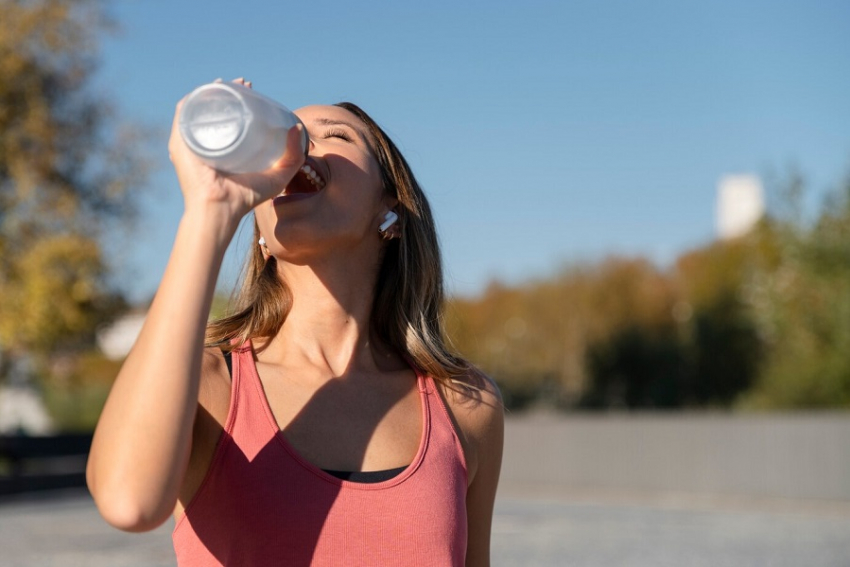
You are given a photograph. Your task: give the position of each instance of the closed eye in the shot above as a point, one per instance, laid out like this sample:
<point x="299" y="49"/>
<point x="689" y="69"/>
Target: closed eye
<point x="338" y="133"/>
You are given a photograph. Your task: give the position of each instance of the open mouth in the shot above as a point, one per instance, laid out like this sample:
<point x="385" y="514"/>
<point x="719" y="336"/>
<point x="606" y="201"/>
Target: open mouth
<point x="307" y="180"/>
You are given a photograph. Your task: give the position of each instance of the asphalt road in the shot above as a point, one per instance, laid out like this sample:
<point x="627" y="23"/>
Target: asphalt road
<point x="530" y="529"/>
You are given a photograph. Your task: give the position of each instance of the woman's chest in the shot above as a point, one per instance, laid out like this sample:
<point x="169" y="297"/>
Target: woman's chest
<point x="345" y="425"/>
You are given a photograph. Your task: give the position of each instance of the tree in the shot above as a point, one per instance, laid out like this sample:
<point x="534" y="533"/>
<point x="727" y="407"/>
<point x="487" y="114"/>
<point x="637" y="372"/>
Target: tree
<point x="721" y="340"/>
<point x="801" y="302"/>
<point x="66" y="174"/>
<point x="534" y="338"/>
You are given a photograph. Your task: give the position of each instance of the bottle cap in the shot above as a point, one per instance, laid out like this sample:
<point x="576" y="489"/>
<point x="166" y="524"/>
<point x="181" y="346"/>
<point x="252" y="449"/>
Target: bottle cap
<point x="213" y="118"/>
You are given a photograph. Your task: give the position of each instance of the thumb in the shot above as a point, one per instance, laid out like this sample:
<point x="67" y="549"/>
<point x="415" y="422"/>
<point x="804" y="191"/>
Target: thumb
<point x="269" y="183"/>
<point x="296" y="149"/>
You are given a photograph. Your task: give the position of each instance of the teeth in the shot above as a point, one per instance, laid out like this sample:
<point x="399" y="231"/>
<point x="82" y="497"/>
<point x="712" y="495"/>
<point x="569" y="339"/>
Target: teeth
<point x="312" y="176"/>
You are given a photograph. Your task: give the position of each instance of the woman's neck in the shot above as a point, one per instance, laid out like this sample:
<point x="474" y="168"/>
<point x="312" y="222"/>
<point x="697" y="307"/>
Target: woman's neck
<point x="329" y="324"/>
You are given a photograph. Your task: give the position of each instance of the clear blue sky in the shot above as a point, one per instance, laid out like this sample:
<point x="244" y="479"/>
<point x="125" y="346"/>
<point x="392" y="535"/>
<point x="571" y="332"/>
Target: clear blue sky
<point x="543" y="132"/>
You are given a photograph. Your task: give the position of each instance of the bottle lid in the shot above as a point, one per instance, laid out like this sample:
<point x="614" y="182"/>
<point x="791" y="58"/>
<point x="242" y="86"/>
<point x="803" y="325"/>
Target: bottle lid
<point x="213" y="118"/>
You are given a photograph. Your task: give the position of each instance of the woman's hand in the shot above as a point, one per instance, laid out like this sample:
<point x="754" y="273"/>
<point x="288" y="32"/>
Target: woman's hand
<point x="236" y="194"/>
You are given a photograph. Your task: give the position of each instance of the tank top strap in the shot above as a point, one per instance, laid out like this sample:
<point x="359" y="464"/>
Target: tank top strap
<point x="426" y="385"/>
<point x="250" y="421"/>
<point x="441" y="427"/>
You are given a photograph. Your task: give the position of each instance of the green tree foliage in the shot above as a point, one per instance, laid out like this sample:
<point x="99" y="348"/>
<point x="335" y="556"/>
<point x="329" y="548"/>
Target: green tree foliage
<point x="720" y="343"/>
<point x="622" y="333"/>
<point x="801" y="305"/>
<point x="635" y="368"/>
<point x="77" y="389"/>
<point x="534" y="339"/>
<point x="695" y="348"/>
<point x="66" y="175"/>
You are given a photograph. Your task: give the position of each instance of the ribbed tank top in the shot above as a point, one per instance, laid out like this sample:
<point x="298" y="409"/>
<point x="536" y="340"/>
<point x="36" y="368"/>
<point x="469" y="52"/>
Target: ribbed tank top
<point x="261" y="503"/>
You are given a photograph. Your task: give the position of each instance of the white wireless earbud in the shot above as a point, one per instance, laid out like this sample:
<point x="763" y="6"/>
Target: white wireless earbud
<point x="389" y="219"/>
<point x="261" y="241"/>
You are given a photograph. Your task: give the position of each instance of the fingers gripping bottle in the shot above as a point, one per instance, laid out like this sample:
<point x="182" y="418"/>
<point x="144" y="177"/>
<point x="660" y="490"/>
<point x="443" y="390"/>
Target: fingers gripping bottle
<point x="235" y="129"/>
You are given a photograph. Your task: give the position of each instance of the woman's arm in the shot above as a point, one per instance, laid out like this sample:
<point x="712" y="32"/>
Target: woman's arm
<point x="479" y="415"/>
<point x="143" y="439"/>
<point x="482" y="491"/>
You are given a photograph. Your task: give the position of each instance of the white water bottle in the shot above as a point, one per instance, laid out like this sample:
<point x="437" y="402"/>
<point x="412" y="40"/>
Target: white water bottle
<point x="235" y="129"/>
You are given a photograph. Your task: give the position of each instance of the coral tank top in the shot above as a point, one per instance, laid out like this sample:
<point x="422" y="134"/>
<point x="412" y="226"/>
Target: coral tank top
<point x="261" y="503"/>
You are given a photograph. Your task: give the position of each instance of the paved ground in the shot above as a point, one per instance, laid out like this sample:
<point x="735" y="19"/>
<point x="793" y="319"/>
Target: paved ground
<point x="530" y="529"/>
<point x="66" y="530"/>
<point x="655" y="532"/>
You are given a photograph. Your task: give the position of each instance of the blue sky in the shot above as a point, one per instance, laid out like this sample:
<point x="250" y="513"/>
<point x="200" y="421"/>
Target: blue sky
<point x="543" y="132"/>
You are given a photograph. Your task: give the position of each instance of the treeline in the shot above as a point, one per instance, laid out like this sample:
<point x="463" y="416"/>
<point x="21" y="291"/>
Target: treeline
<point x="758" y="322"/>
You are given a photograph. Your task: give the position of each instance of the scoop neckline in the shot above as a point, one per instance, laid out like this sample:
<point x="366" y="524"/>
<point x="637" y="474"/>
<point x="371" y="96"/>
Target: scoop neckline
<point x="409" y="470"/>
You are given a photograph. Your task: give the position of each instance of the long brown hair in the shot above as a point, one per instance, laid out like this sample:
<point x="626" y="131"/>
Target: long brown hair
<point x="407" y="311"/>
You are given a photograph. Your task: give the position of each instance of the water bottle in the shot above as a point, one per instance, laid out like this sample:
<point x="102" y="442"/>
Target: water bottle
<point x="235" y="129"/>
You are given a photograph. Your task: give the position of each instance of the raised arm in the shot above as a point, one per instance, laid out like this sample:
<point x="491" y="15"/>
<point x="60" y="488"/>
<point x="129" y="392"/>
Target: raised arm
<point x="143" y="439"/>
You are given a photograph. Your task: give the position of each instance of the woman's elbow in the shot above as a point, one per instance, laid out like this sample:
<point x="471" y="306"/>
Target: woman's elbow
<point x="125" y="510"/>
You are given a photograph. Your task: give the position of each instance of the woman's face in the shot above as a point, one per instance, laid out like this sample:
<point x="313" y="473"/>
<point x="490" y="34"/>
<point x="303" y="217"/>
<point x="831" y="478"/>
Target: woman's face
<point x="336" y="202"/>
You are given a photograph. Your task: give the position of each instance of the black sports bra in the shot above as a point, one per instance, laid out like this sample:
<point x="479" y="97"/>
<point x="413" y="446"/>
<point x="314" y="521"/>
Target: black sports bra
<point x="367" y="477"/>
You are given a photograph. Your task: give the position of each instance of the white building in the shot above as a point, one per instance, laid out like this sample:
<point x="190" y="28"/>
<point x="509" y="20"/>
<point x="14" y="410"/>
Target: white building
<point x="740" y="205"/>
<point x="116" y="340"/>
<point x="21" y="410"/>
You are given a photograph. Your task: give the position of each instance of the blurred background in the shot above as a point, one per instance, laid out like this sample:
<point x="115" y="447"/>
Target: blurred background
<point x="644" y="210"/>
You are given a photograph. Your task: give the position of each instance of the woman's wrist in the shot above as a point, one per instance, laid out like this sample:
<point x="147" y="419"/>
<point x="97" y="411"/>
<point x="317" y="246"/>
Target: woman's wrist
<point x="214" y="223"/>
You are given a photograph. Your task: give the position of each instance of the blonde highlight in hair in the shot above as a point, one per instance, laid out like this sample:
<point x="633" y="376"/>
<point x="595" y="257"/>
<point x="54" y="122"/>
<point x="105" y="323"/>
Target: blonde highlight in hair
<point x="261" y="306"/>
<point x="407" y="310"/>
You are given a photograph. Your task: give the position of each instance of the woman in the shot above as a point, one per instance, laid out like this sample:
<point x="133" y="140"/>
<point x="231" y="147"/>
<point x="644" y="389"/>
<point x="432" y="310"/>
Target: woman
<point x="326" y="422"/>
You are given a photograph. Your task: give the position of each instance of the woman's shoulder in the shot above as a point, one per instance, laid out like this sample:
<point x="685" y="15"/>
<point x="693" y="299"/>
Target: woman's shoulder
<point x="475" y="395"/>
<point x="473" y="390"/>
<point x="476" y="407"/>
